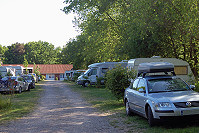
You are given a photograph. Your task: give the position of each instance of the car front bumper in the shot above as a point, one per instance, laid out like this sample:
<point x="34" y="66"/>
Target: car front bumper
<point x="175" y="112"/>
<point x="80" y="82"/>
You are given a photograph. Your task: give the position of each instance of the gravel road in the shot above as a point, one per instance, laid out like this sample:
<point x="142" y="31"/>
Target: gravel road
<point x="60" y="110"/>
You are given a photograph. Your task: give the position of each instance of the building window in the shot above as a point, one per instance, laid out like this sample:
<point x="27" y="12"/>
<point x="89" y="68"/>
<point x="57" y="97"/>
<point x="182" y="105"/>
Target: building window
<point x="51" y="76"/>
<point x="61" y="75"/>
<point x="67" y="74"/>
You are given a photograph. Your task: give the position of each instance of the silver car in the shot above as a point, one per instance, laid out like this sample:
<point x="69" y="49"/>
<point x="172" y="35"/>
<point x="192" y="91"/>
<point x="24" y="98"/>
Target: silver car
<point x="13" y="84"/>
<point x="20" y="84"/>
<point x="162" y="96"/>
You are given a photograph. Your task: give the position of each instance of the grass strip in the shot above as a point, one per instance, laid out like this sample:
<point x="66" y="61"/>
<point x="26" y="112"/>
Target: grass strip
<point x="104" y="100"/>
<point x="21" y="104"/>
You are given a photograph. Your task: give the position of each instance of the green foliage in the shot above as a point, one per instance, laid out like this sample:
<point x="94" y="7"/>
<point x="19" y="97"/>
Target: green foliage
<point x="36" y="69"/>
<point x="5" y="102"/>
<point x="117" y="30"/>
<point x="14" y="54"/>
<point x="21" y="104"/>
<point x="25" y="63"/>
<point x="43" y="77"/>
<point x="197" y="86"/>
<point x="35" y="52"/>
<point x="75" y="76"/>
<point x="118" y="79"/>
<point x="41" y="53"/>
<point x="9" y="74"/>
<point x="99" y="81"/>
<point x="68" y="78"/>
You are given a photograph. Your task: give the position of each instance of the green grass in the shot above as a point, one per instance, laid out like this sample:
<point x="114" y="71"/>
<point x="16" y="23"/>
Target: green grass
<point x="102" y="99"/>
<point x="21" y="104"/>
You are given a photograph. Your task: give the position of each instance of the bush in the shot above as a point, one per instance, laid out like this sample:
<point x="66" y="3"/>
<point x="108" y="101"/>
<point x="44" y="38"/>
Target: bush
<point x="5" y="102"/>
<point x="197" y="86"/>
<point x="99" y="81"/>
<point x="75" y="76"/>
<point x="43" y="77"/>
<point x="118" y="79"/>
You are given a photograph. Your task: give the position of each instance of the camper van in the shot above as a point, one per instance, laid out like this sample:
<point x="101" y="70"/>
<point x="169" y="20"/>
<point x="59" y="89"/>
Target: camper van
<point x="181" y="68"/>
<point x="97" y="70"/>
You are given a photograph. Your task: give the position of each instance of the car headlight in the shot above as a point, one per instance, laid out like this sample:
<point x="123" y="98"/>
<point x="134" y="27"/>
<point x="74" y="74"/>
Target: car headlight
<point x="163" y="105"/>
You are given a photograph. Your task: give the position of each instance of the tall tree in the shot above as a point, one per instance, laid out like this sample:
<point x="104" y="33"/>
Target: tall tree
<point x="40" y="53"/>
<point x="14" y="54"/>
<point x="124" y="29"/>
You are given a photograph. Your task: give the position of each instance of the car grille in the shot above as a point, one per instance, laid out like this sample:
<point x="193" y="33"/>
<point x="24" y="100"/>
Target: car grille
<point x="185" y="105"/>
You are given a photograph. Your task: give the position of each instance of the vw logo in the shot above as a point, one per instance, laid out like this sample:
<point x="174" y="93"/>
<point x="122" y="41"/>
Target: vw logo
<point x="188" y="104"/>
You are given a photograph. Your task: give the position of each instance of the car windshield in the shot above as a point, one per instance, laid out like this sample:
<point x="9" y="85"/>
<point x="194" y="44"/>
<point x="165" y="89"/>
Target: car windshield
<point x="167" y="85"/>
<point x="87" y="71"/>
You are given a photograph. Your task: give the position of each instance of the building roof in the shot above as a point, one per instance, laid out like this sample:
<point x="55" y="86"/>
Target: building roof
<point x="48" y="68"/>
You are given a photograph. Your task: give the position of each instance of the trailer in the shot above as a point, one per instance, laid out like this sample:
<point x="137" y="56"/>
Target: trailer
<point x="181" y="68"/>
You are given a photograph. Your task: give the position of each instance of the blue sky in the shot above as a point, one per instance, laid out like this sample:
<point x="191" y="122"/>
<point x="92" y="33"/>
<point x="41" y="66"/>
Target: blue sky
<point x="33" y="20"/>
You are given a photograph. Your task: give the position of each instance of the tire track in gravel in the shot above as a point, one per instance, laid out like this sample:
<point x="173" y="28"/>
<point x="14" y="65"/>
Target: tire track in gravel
<point x="60" y="110"/>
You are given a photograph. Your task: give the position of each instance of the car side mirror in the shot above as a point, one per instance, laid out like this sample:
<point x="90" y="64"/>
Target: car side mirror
<point x="141" y="90"/>
<point x="192" y="87"/>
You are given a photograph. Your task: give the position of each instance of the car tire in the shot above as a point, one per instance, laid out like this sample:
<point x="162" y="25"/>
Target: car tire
<point x="29" y="88"/>
<point x="33" y="86"/>
<point x="20" y="90"/>
<point x="86" y="83"/>
<point x="151" y="120"/>
<point x="128" y="110"/>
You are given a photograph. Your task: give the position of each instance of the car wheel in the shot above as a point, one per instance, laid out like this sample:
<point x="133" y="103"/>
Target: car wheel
<point x="29" y="88"/>
<point x="20" y="90"/>
<point x="86" y="83"/>
<point x="33" y="86"/>
<point x="151" y="119"/>
<point x="128" y="110"/>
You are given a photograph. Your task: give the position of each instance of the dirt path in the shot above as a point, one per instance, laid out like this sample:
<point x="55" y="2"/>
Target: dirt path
<point x="61" y="111"/>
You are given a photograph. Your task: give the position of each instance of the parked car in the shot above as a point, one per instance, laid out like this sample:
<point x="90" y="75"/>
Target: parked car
<point x="34" y="76"/>
<point x="157" y="95"/>
<point x="20" y="84"/>
<point x="13" y="84"/>
<point x="30" y="80"/>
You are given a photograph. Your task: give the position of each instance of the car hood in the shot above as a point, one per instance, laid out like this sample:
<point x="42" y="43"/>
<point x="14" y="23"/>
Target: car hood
<point x="180" y="96"/>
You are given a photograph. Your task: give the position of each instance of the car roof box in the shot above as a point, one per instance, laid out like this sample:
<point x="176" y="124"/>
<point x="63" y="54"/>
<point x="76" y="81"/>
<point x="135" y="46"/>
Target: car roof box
<point x="154" y="67"/>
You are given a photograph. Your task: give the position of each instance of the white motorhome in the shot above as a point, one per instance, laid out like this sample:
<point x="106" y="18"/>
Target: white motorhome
<point x="97" y="70"/>
<point x="181" y="68"/>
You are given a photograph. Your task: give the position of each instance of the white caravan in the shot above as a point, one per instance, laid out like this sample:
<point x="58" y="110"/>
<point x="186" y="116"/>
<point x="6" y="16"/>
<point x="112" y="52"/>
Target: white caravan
<point x="181" y="68"/>
<point x="97" y="70"/>
<point x="4" y="70"/>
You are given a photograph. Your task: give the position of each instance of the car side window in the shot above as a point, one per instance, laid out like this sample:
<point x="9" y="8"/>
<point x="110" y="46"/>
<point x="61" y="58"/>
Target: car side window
<point x="134" y="85"/>
<point x="141" y="85"/>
